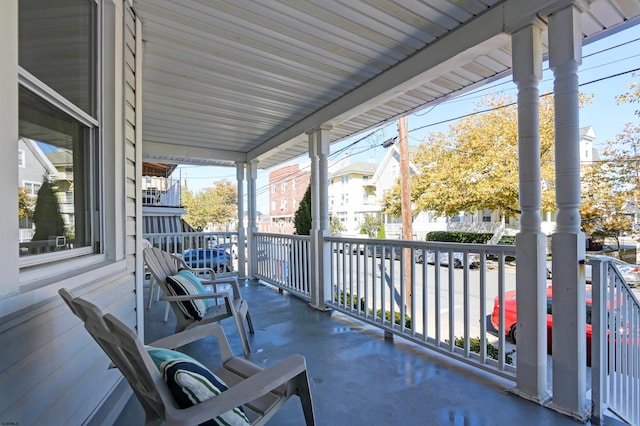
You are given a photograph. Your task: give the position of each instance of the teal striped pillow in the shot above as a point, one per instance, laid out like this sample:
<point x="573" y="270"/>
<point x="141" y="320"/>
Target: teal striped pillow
<point x="191" y="383"/>
<point x="179" y="285"/>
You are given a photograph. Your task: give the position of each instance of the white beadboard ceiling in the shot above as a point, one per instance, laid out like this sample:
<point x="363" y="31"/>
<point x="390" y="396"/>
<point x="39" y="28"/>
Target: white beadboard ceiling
<point x="242" y="80"/>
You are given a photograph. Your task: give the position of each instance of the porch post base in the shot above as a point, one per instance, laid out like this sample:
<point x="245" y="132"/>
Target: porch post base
<point x="541" y="399"/>
<point x="583" y="416"/>
<point x="322" y="307"/>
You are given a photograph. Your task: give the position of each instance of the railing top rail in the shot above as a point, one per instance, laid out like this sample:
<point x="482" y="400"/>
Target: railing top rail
<point x="429" y="245"/>
<point x="607" y="261"/>
<point x="290" y="236"/>
<point x="203" y="233"/>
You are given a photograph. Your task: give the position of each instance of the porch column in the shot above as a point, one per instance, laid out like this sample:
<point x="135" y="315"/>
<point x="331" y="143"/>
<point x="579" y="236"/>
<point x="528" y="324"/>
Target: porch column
<point x="320" y="261"/>
<point x="568" y="243"/>
<point x="252" y="169"/>
<point x="531" y="243"/>
<point x="242" y="270"/>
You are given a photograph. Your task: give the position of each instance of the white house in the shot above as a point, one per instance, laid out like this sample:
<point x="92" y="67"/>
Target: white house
<point x="352" y="195"/>
<point x="385" y="177"/>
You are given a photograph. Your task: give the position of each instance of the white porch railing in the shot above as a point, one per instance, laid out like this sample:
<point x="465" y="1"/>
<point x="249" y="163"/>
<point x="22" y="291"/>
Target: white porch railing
<point x="216" y="250"/>
<point x="390" y="284"/>
<point x="446" y="309"/>
<point x="615" y="360"/>
<point x="283" y="261"/>
<point x="161" y="192"/>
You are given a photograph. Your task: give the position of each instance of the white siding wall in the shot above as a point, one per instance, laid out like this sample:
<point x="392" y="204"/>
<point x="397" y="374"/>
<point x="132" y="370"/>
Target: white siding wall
<point x="51" y="371"/>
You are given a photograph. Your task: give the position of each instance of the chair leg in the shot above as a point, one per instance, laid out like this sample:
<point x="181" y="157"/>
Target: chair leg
<point x="304" y="392"/>
<point x="250" y="323"/>
<point x="166" y="311"/>
<point x="152" y="285"/>
<point x="243" y="333"/>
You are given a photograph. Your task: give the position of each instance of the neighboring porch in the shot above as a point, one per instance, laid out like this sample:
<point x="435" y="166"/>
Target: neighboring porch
<point x="359" y="377"/>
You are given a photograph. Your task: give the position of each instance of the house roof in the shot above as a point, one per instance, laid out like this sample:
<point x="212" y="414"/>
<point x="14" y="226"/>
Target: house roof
<point x="359" y="167"/>
<point x="241" y="81"/>
<point x="60" y="157"/>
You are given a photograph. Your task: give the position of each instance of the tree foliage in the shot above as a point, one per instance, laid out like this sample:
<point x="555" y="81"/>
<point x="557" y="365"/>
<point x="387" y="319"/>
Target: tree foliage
<point x="336" y="227"/>
<point x="475" y="165"/>
<point x="632" y="95"/>
<point x="25" y="203"/>
<point x="370" y="226"/>
<point x="610" y="187"/>
<point x="302" y="218"/>
<point x="46" y="215"/>
<point x="216" y="205"/>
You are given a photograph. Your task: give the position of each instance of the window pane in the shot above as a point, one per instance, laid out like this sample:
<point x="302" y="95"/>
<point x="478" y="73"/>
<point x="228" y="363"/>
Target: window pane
<point x="56" y="45"/>
<point x="56" y="177"/>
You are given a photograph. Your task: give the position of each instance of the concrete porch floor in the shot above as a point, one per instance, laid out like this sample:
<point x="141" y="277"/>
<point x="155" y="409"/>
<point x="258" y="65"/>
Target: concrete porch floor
<point x="357" y="376"/>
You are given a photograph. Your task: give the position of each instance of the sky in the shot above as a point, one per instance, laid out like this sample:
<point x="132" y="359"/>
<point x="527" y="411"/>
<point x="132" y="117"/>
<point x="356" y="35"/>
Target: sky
<point x="603" y="74"/>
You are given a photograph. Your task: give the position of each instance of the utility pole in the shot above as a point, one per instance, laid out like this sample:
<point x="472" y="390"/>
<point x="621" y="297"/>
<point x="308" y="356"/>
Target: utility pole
<point x="405" y="199"/>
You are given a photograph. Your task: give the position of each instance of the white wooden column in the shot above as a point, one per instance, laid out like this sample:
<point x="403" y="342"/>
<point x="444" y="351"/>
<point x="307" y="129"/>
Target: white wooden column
<point x="531" y="279"/>
<point x="320" y="273"/>
<point x="252" y="172"/>
<point x="242" y="270"/>
<point x="568" y="243"/>
<point x="9" y="283"/>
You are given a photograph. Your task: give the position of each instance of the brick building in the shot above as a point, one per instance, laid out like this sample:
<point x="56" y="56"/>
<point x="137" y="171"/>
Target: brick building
<point x="287" y="186"/>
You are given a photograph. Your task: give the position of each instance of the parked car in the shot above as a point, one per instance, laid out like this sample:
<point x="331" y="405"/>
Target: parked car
<point x="510" y="318"/>
<point x="458" y="259"/>
<point x="630" y="272"/>
<point x="215" y="258"/>
<point x="396" y="250"/>
<point x="378" y="251"/>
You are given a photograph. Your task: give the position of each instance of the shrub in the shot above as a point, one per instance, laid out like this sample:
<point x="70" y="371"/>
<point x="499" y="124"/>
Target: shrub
<point x="351" y="301"/>
<point x="459" y="237"/>
<point x="397" y="320"/>
<point x="491" y="351"/>
<point x="507" y="239"/>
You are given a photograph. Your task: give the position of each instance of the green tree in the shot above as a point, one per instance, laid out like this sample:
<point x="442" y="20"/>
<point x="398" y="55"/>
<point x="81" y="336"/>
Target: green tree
<point x="46" y="215"/>
<point x="475" y="166"/>
<point x="336" y="227"/>
<point x="382" y="233"/>
<point x="302" y="218"/>
<point x="370" y="226"/>
<point x="217" y="205"/>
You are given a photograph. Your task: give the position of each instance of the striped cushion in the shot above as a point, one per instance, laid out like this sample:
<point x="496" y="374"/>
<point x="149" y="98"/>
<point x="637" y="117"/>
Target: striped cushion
<point x="191" y="383"/>
<point x="196" y="282"/>
<point x="179" y="285"/>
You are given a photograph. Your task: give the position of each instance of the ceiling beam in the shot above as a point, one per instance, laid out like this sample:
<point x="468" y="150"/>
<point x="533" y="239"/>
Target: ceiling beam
<point x="185" y="154"/>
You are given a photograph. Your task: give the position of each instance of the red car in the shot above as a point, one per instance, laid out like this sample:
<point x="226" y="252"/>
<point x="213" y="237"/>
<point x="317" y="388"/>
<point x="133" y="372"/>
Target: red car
<point x="510" y="318"/>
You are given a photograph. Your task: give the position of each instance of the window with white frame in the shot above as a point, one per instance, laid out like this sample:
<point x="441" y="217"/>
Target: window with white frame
<point x="273" y="205"/>
<point x="283" y="185"/>
<point x="21" y="159"/>
<point x="32" y="187"/>
<point x="58" y="110"/>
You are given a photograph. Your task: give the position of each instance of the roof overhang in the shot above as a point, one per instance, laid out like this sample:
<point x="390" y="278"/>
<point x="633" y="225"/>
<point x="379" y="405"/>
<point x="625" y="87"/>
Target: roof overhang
<point x="244" y="81"/>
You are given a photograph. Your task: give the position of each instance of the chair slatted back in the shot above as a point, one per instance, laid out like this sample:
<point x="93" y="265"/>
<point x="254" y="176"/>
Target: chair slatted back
<point x="126" y="351"/>
<point x="160" y="263"/>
